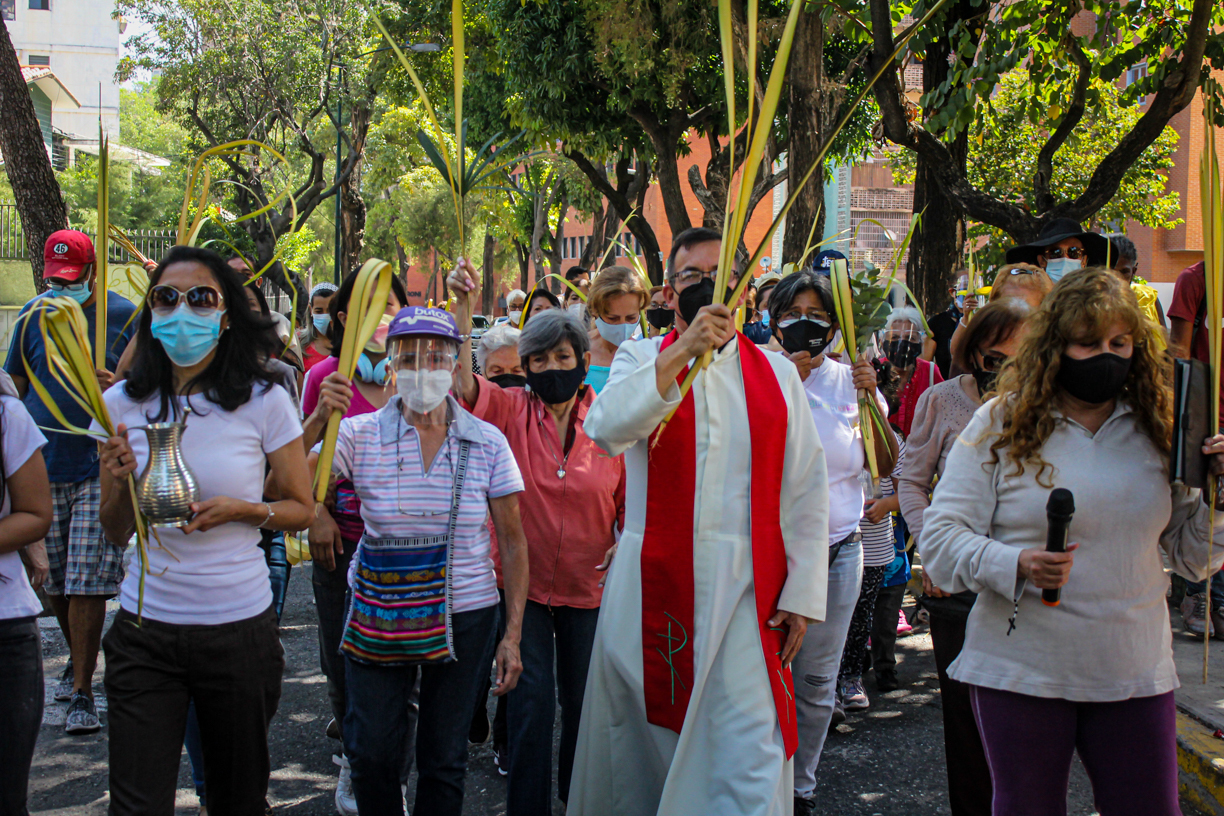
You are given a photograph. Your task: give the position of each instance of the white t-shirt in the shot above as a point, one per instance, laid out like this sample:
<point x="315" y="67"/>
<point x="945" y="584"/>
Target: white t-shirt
<point x="219" y="575"/>
<point x="834" y="403"/>
<point x="21" y="439"/>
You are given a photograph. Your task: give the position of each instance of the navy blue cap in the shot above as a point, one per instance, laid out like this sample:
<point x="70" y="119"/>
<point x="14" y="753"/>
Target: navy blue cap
<point x="824" y="261"/>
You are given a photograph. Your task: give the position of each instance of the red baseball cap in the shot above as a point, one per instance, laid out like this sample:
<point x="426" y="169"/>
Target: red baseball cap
<point x="66" y="255"/>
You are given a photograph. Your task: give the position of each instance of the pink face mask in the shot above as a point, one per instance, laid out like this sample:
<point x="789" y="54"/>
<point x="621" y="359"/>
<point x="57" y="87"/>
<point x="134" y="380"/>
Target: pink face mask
<point x="378" y="343"/>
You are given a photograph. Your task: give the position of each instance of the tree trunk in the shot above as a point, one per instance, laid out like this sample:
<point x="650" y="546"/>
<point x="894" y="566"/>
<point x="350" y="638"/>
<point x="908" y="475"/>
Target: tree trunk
<point x="936" y="247"/>
<point x="806" y="79"/>
<point x="488" y="276"/>
<point x="352" y="205"/>
<point x="39" y="202"/>
<point x="667" y="170"/>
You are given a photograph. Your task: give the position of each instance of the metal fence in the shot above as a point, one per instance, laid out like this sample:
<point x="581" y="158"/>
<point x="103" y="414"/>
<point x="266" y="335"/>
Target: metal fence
<point x="152" y="243"/>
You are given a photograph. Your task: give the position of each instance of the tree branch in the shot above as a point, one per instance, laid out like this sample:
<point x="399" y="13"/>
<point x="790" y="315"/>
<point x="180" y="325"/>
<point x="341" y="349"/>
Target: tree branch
<point x="1075" y="112"/>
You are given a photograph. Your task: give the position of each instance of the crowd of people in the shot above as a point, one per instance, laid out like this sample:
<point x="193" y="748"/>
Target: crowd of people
<point x="701" y="578"/>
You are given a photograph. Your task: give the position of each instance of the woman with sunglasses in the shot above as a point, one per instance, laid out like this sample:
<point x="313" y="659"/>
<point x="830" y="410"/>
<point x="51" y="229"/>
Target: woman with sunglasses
<point x="942" y="413"/>
<point x="337" y="526"/>
<point x="801" y="307"/>
<point x="1017" y="280"/>
<point x="424" y="596"/>
<point x="198" y="624"/>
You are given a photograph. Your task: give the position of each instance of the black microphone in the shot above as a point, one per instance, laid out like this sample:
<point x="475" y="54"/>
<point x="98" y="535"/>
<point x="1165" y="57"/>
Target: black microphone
<point x="1059" y="510"/>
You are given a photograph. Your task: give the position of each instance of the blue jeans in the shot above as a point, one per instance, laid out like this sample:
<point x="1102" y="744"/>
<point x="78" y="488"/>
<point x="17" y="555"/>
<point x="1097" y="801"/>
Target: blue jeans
<point x="377" y="721"/>
<point x="531" y="708"/>
<point x="815" y="667"/>
<point x="1217" y="589"/>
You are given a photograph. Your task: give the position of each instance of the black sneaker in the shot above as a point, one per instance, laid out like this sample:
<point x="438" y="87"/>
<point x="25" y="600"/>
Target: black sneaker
<point x="886" y="680"/>
<point x="501" y="758"/>
<point x="839" y="711"/>
<point x="82" y="717"/>
<point x="804" y="807"/>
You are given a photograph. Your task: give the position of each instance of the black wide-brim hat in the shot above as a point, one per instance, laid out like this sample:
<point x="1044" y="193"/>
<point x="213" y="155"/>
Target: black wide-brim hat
<point x="1060" y="229"/>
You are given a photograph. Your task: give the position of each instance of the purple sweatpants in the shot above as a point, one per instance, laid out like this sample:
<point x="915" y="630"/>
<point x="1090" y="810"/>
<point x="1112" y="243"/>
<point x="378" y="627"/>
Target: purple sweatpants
<point x="1129" y="749"/>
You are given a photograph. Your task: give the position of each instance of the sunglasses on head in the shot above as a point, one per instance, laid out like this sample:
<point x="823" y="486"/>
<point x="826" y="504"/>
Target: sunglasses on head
<point x="164" y="299"/>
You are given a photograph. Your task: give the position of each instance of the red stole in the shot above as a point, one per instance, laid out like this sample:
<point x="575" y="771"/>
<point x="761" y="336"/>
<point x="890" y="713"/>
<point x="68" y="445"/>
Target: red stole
<point x="667" y="547"/>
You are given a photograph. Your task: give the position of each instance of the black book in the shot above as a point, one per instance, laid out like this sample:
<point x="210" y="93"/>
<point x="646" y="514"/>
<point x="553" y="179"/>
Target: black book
<point x="1191" y="422"/>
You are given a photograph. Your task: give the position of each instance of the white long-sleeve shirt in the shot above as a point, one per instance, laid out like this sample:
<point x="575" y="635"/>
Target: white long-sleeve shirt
<point x="1109" y="638"/>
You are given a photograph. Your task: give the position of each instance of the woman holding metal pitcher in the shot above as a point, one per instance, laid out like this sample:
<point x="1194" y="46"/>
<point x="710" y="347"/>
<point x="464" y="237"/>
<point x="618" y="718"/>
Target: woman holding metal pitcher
<point x="429" y="475"/>
<point x="198" y="623"/>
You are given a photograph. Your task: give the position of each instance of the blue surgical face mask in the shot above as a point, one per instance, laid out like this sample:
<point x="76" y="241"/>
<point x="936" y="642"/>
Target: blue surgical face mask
<point x="765" y="318"/>
<point x="187" y="337"/>
<point x="79" y="292"/>
<point x="1057" y="267"/>
<point x="615" y="334"/>
<point x="321" y="322"/>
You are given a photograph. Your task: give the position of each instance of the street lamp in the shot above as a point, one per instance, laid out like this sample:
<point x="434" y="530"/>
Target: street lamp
<point x="419" y="48"/>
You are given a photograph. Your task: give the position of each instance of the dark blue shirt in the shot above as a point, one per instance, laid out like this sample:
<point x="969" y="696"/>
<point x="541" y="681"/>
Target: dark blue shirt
<point x="757" y="332"/>
<point x="70" y="457"/>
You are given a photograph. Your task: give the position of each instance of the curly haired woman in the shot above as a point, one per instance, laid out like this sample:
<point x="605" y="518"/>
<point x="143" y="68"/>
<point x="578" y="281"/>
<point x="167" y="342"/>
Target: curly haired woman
<point x="1084" y="406"/>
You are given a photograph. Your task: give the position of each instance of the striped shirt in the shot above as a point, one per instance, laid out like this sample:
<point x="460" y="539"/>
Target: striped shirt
<point x="878" y="545"/>
<point x="381" y="453"/>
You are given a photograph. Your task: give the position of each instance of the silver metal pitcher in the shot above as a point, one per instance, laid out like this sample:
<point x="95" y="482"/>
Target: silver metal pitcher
<point x="167" y="488"/>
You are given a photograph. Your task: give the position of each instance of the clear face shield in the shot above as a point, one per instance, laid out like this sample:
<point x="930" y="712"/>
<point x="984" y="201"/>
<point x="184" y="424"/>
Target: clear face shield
<point x="424" y="369"/>
<point x="901" y="343"/>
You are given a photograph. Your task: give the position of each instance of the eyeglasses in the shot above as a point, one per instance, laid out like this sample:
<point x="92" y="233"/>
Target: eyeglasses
<point x="202" y="300"/>
<point x="1074" y="253"/>
<point x="429" y="360"/>
<point x="993" y="362"/>
<point x="687" y="276"/>
<point x="787" y="322"/>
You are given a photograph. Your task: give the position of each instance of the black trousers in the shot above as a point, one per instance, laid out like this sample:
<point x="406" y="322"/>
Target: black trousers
<point x="969" y="787"/>
<point x="21" y="709"/>
<point x="233" y="674"/>
<point x="884" y="628"/>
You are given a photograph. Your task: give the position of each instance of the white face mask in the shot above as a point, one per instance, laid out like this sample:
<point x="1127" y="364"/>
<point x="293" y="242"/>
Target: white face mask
<point x="615" y="334"/>
<point x="1057" y="267"/>
<point x="515" y="317"/>
<point x="422" y="390"/>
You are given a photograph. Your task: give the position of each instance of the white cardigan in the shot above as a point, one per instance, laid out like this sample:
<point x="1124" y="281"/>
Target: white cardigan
<point x="1109" y="639"/>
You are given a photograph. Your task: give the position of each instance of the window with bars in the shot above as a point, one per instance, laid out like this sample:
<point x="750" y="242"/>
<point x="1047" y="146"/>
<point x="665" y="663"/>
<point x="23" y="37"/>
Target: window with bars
<point x="40" y="59"/>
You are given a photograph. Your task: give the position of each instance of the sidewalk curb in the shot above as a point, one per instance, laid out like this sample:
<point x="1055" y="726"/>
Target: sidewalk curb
<point x="1200" y="765"/>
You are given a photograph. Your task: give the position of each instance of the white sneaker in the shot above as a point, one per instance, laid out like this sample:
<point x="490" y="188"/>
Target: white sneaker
<point x="346" y="803"/>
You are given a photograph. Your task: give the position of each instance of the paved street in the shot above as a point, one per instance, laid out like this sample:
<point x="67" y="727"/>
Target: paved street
<point x="888" y="761"/>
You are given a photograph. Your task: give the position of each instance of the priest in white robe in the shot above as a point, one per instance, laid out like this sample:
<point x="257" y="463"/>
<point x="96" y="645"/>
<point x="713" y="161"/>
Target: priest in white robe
<point x="696" y="717"/>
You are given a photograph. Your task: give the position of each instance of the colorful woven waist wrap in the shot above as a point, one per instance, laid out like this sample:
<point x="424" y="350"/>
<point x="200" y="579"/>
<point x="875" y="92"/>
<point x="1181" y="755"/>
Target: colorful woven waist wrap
<point x="400" y="610"/>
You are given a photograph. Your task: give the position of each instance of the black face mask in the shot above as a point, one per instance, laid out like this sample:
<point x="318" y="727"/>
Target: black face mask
<point x="660" y="316"/>
<point x="985" y="381"/>
<point x="1095" y="379"/>
<point x="805" y="335"/>
<point x="509" y="380"/>
<point x="556" y="386"/>
<point x="902" y="353"/>
<point x="696" y="297"/>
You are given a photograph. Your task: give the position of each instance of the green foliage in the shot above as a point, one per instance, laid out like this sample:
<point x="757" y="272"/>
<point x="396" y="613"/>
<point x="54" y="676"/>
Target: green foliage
<point x="138" y="199"/>
<point x="1006" y="137"/>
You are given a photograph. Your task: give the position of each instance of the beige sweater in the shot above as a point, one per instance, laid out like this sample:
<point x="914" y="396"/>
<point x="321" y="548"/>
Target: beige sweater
<point x="1110" y="638"/>
<point x="942" y="413"/>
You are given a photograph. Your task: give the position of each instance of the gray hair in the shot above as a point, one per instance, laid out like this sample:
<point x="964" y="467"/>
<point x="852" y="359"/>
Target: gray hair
<point x="907" y="314"/>
<point x="549" y="329"/>
<point x="497" y="338"/>
<point x="513" y="293"/>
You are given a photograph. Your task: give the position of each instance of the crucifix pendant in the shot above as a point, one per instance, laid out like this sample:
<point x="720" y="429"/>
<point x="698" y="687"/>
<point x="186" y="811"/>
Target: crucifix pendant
<point x="561" y="473"/>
